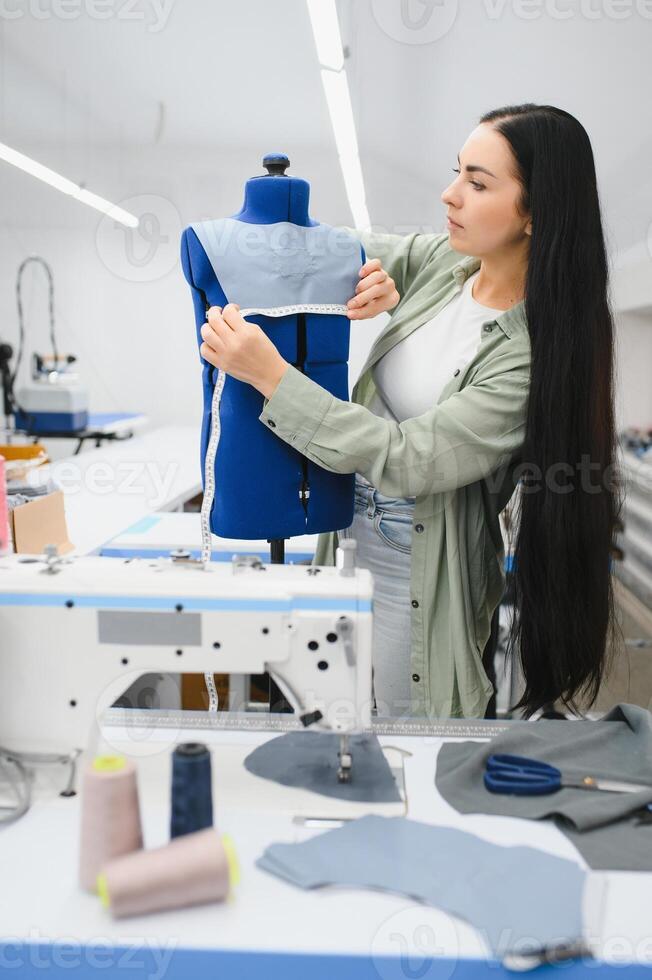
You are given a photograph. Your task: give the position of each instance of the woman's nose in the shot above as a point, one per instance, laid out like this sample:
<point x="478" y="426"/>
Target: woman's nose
<point x="449" y="196"/>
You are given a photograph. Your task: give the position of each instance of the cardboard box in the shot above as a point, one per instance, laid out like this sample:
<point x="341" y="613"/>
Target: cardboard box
<point x="38" y="523"/>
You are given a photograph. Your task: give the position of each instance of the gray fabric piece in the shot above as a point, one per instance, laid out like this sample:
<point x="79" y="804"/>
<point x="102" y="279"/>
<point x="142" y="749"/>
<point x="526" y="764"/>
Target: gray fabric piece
<point x="600" y="824"/>
<point x="486" y="884"/>
<point x="286" y="264"/>
<point x="309" y="760"/>
<point x="28" y="490"/>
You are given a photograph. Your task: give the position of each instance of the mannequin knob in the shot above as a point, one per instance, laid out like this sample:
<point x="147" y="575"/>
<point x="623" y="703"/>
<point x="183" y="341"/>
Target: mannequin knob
<point x="276" y="164"/>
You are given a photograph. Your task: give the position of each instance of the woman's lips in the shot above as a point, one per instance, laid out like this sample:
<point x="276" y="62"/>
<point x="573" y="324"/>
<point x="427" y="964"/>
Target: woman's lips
<point x="452" y="224"/>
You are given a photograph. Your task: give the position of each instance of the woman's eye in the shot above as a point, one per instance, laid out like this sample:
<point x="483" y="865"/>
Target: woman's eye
<point x="478" y="187"/>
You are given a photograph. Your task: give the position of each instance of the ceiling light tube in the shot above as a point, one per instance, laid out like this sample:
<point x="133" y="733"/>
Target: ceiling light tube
<point x="326" y="29"/>
<point x="338" y="99"/>
<point x="66" y="186"/>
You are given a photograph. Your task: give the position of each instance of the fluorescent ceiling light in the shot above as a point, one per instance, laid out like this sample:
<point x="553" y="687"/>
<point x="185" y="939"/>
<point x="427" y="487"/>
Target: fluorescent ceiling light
<point x="338" y="98"/>
<point x="326" y="28"/>
<point x="66" y="186"/>
<point x="328" y="40"/>
<point x="111" y="210"/>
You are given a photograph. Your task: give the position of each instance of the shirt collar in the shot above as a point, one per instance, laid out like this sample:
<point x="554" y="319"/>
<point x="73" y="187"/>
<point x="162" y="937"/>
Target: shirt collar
<point x="508" y="320"/>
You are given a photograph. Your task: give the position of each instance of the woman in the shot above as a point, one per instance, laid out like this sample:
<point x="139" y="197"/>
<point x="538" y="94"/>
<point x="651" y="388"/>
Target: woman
<point x="494" y="370"/>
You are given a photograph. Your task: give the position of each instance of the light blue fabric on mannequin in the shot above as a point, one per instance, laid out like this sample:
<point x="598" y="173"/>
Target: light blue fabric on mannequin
<point x="280" y="264"/>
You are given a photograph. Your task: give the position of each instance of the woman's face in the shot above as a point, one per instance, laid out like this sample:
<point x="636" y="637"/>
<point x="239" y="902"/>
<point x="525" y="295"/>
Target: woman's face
<point x="484" y="204"/>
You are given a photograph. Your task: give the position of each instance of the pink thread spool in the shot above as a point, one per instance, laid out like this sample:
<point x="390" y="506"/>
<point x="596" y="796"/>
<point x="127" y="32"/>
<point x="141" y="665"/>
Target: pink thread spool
<point x="110" y="819"/>
<point x="4" y="513"/>
<point x="191" y="870"/>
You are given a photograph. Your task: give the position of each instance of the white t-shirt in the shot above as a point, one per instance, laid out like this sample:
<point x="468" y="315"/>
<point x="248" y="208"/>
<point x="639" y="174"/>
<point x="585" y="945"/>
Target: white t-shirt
<point x="411" y="376"/>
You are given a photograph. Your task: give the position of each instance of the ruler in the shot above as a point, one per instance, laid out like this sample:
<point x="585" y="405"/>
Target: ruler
<point x="263" y="721"/>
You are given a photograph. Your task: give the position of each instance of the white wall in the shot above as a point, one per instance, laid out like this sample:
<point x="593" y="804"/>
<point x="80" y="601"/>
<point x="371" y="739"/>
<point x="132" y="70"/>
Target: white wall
<point x="632" y="300"/>
<point x="634" y="370"/>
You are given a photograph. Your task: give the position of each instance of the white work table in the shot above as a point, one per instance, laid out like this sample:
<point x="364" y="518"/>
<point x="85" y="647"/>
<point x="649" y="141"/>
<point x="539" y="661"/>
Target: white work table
<point x="159" y="534"/>
<point x="270" y="928"/>
<point x="110" y="488"/>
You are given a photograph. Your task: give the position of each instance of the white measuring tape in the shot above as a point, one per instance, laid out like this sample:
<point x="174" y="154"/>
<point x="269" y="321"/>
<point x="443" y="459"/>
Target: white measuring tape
<point x="214" y="441"/>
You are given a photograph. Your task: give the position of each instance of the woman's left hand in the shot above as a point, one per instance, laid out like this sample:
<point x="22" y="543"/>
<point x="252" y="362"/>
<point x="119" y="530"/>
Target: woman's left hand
<point x="242" y="349"/>
<point x="375" y="293"/>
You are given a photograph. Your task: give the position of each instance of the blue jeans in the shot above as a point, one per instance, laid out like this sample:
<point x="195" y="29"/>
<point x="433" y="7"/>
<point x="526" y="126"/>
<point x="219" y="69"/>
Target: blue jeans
<point x="382" y="528"/>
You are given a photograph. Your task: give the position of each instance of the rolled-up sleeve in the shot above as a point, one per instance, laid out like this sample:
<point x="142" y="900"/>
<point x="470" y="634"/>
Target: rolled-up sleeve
<point x="463" y="439"/>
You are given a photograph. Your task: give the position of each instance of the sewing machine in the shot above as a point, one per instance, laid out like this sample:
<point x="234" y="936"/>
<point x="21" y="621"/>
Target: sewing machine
<point x="74" y="633"/>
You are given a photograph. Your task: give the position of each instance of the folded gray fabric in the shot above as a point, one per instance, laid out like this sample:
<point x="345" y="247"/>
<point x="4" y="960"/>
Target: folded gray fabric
<point x="309" y="760"/>
<point x="601" y="825"/>
<point x="517" y="897"/>
<point x="29" y="490"/>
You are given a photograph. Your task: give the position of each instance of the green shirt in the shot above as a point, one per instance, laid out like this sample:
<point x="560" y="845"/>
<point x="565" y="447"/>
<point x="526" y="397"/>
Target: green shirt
<point x="457" y="459"/>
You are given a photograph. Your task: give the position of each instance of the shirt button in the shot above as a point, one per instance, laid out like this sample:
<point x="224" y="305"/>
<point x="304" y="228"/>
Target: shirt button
<point x="488" y="327"/>
<point x="456" y="373"/>
<point x="415" y="604"/>
<point x="271" y="423"/>
<point x="415" y="677"/>
<point x="418" y="528"/>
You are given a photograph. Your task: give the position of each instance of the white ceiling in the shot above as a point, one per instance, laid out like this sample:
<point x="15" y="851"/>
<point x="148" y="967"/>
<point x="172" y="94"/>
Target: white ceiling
<point x="243" y="74"/>
<point x="223" y="71"/>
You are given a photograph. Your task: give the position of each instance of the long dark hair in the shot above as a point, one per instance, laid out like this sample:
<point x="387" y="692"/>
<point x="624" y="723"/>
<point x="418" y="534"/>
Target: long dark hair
<point x="569" y="496"/>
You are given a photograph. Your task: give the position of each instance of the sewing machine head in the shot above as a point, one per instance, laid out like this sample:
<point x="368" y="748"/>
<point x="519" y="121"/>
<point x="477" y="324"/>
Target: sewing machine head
<point x="75" y="632"/>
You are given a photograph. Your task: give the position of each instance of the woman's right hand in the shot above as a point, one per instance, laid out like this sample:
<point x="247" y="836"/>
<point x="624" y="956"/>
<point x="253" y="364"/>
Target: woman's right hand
<point x="374" y="294"/>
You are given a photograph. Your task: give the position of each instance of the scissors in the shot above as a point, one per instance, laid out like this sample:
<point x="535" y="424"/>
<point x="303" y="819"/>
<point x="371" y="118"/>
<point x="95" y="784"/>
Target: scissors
<point x="520" y="776"/>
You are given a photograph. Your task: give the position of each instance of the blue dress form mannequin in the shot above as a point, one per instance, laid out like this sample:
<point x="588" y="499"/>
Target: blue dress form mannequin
<point x="264" y="487"/>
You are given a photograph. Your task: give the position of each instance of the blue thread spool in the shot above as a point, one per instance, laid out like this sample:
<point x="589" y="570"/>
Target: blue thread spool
<point x="192" y="798"/>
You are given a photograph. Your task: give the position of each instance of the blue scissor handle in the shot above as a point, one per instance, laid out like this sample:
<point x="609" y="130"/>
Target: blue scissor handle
<point x="520" y="776"/>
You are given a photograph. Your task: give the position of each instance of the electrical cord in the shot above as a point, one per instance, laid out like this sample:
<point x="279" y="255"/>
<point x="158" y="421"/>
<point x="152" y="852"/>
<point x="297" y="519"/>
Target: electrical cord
<point x="21" y="327"/>
<point x="20" y="779"/>
<point x="21" y="316"/>
<point x="21" y="785"/>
